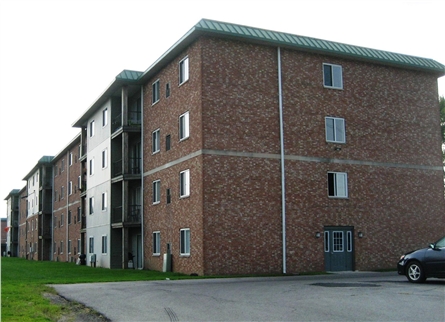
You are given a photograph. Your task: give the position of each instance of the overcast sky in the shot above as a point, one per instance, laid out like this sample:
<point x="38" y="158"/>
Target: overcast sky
<point x="57" y="57"/>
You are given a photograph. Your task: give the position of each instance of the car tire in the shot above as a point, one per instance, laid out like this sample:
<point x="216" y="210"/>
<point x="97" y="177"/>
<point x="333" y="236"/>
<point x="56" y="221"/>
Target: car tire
<point x="415" y="272"/>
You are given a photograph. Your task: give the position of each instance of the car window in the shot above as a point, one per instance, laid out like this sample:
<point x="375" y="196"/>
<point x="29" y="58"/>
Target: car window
<point x="440" y="243"/>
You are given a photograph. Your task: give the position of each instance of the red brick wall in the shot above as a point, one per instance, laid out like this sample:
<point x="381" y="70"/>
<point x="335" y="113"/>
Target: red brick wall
<point x="182" y="212"/>
<point x="64" y="231"/>
<point x="392" y="146"/>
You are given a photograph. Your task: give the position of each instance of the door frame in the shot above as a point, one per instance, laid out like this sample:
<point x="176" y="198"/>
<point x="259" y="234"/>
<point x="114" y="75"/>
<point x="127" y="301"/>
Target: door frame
<point x="348" y="246"/>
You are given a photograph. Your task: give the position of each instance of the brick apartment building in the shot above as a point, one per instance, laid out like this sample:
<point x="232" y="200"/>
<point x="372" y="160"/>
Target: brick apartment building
<point x="67" y="219"/>
<point x="350" y="179"/>
<point x="242" y="150"/>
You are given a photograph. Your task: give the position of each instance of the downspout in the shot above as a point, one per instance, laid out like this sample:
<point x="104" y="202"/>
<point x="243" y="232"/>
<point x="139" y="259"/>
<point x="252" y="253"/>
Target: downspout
<point x="142" y="176"/>
<point x="67" y="203"/>
<point x="283" y="182"/>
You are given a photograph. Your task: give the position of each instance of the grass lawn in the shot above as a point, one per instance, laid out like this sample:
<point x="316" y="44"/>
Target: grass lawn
<point x="24" y="282"/>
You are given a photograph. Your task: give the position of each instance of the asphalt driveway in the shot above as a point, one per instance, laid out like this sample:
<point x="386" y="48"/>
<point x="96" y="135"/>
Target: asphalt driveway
<point x="353" y="296"/>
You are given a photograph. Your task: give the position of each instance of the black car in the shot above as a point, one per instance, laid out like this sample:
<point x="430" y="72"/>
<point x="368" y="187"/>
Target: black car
<point x="420" y="264"/>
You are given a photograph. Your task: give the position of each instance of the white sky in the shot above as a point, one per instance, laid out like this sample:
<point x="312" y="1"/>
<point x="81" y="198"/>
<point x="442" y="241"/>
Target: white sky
<point x="57" y="57"/>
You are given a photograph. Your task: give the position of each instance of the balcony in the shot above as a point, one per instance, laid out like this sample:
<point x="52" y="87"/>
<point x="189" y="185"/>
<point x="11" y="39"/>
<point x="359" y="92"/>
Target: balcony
<point x="133" y="216"/>
<point x="134" y="167"/>
<point x="45" y="232"/>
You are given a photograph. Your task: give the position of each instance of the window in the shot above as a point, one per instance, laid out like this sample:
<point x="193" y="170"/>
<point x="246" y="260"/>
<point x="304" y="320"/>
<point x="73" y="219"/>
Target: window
<point x="169" y="196"/>
<point x="91" y="204"/>
<point x="105" y="117"/>
<point x="91" y="167"/>
<point x="184" y="183"/>
<point x="61" y="247"/>
<point x="69" y="217"/>
<point x="62" y="192"/>
<point x="62" y="168"/>
<point x="337" y="241"/>
<point x="79" y="214"/>
<point x="156" y="243"/>
<point x="185" y="241"/>
<point x="156" y="191"/>
<point x="349" y="241"/>
<point x="70" y="188"/>
<point x="167" y="142"/>
<point x="91" y="245"/>
<point x="104" y="201"/>
<point x="326" y="242"/>
<point x="79" y="182"/>
<point x="338" y="184"/>
<point x="155" y="92"/>
<point x="61" y="219"/>
<point x="91" y="129"/>
<point x="78" y="246"/>
<point x="183" y="70"/>
<point x="332" y="76"/>
<point x="156" y="141"/>
<point x="167" y="90"/>
<point x="184" y="130"/>
<point x="69" y="246"/>
<point x="335" y="130"/>
<point x="104" y="244"/>
<point x="70" y="160"/>
<point x="104" y="159"/>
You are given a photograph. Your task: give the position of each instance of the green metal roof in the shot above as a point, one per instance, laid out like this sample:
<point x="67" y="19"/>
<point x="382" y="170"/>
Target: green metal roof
<point x="129" y="75"/>
<point x="317" y="45"/>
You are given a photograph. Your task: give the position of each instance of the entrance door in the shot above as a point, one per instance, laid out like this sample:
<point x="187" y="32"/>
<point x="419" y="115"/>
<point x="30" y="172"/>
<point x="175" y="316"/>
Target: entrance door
<point x="338" y="248"/>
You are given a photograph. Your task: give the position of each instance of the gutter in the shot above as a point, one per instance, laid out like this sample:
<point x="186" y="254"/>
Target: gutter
<point x="283" y="176"/>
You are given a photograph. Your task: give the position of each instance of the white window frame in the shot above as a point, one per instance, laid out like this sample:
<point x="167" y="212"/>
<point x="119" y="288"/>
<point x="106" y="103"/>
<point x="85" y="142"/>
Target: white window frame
<point x="184" y="183"/>
<point x="70" y="159"/>
<point x="91" y="166"/>
<point x="70" y="188"/>
<point x="104" y="244"/>
<point x="91" y="128"/>
<point x="156" y="192"/>
<point x="91" y="245"/>
<point x="184" y="242"/>
<point x="335" y="80"/>
<point x="184" y="126"/>
<point x="69" y="246"/>
<point x="156" y="243"/>
<point x="104" y="201"/>
<point x="156" y="141"/>
<point x="104" y="117"/>
<point x="184" y="70"/>
<point x="91" y="206"/>
<point x="104" y="158"/>
<point x="335" y="129"/>
<point x="340" y="185"/>
<point x="155" y="92"/>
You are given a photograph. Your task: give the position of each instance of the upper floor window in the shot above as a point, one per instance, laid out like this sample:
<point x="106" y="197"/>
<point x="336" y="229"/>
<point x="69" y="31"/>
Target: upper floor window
<point x="183" y="70"/>
<point x="91" y="205"/>
<point x="156" y="141"/>
<point x="167" y="90"/>
<point x="156" y="191"/>
<point x="332" y="76"/>
<point x="104" y="158"/>
<point x="91" y="167"/>
<point x="335" y="129"/>
<point x="91" y="128"/>
<point x="104" y="201"/>
<point x="338" y="184"/>
<point x="155" y="92"/>
<point x="70" y="160"/>
<point x="184" y="183"/>
<point x="105" y="117"/>
<point x="184" y="127"/>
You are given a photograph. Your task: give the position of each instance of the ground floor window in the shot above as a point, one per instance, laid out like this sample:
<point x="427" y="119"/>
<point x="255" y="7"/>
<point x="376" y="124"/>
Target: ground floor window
<point x="185" y="241"/>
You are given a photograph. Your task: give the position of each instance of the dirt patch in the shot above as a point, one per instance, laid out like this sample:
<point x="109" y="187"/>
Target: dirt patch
<point x="73" y="311"/>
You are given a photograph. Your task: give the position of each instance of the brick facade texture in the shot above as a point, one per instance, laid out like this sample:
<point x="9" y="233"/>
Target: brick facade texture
<point x="66" y="204"/>
<point x="391" y="156"/>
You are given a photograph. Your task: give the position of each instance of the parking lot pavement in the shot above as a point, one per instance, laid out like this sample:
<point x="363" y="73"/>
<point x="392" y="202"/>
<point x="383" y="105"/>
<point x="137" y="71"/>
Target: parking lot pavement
<point x="352" y="296"/>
